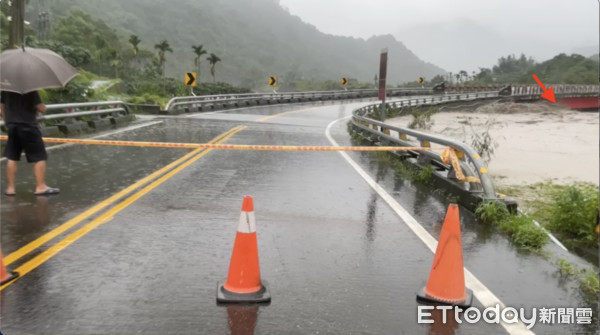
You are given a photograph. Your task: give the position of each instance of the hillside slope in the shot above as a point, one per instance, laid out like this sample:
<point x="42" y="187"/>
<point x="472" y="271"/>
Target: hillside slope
<point x="254" y="39"/>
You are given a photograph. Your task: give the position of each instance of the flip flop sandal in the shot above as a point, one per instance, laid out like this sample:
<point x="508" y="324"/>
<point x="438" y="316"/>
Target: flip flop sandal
<point x="49" y="191"/>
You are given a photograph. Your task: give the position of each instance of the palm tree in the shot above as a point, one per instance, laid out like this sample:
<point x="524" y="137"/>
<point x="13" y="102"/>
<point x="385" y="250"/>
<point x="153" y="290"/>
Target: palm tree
<point x="162" y="48"/>
<point x="213" y="59"/>
<point x="135" y="41"/>
<point x="199" y="51"/>
<point x="464" y="76"/>
<point x="115" y="64"/>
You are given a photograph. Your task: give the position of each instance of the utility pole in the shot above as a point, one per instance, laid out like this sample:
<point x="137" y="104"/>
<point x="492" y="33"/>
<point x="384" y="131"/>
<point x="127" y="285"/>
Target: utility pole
<point x="17" y="24"/>
<point x="382" y="77"/>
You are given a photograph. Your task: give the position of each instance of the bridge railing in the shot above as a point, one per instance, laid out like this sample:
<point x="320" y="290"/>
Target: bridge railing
<point x="245" y="99"/>
<point x="470" y="161"/>
<point x="559" y="90"/>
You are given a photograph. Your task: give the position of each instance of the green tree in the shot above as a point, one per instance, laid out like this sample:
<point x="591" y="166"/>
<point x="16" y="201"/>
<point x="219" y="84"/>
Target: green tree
<point x="565" y="69"/>
<point x="484" y="76"/>
<point x="162" y="48"/>
<point x="510" y="68"/>
<point x="213" y="60"/>
<point x="437" y="79"/>
<point x="81" y="33"/>
<point x="134" y="41"/>
<point x="199" y="51"/>
<point x="464" y="76"/>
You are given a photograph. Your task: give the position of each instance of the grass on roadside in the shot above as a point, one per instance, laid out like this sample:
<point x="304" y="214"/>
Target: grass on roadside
<point x="568" y="211"/>
<point x="523" y="232"/>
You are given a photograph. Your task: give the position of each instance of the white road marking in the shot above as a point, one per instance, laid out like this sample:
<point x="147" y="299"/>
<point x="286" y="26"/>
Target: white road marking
<point x="481" y="292"/>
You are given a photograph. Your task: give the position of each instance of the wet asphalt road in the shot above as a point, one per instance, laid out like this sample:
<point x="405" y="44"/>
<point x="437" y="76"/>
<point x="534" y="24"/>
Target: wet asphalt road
<point x="338" y="259"/>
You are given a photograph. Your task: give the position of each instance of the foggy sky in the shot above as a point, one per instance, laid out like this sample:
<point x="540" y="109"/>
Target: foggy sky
<point x="488" y="28"/>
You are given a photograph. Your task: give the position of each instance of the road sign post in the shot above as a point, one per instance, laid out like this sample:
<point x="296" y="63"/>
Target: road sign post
<point x="382" y="77"/>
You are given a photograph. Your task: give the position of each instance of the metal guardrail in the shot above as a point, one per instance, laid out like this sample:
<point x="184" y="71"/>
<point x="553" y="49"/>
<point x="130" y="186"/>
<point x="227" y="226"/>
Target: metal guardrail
<point x="470" y="161"/>
<point x="246" y="99"/>
<point x="72" y="112"/>
<point x="95" y="106"/>
<point x="99" y="110"/>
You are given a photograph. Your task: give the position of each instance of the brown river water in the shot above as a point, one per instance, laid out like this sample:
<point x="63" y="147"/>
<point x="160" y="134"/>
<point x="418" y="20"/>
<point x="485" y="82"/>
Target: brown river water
<point x="535" y="142"/>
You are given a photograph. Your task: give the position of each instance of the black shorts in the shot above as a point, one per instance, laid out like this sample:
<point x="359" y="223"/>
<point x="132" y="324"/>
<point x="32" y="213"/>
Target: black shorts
<point x="25" y="137"/>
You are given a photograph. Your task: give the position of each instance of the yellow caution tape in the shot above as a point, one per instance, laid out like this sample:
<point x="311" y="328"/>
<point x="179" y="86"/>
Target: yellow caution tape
<point x="449" y="156"/>
<point x="227" y="146"/>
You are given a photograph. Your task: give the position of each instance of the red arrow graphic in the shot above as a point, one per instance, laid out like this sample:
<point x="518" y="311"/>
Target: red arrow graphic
<point x="548" y="93"/>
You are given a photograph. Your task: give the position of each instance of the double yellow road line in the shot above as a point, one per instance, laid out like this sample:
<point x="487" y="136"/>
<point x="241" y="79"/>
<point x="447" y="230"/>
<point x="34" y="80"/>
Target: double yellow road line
<point x="159" y="177"/>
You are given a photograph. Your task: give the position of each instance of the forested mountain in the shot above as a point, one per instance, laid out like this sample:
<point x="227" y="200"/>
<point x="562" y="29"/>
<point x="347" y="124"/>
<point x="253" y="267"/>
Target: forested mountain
<point x="567" y="69"/>
<point x="253" y="39"/>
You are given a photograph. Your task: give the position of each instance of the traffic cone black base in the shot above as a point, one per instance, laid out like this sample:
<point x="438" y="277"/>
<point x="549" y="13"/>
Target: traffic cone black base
<point x="422" y="297"/>
<point x="12" y="275"/>
<point x="226" y="297"/>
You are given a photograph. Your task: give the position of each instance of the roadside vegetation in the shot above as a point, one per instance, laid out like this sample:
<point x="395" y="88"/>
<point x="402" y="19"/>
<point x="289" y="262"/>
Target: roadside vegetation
<point x="134" y="74"/>
<point x="520" y="227"/>
<point x="482" y="141"/>
<point x="569" y="212"/>
<point x="511" y="69"/>
<point x="421" y="119"/>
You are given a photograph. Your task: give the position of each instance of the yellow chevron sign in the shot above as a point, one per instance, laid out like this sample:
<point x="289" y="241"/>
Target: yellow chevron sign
<point x="421" y="80"/>
<point x="345" y="81"/>
<point x="190" y="79"/>
<point x="273" y="81"/>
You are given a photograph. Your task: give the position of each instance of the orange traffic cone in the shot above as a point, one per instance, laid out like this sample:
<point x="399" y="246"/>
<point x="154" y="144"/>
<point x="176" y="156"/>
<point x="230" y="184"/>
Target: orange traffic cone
<point x="243" y="281"/>
<point x="446" y="284"/>
<point x="6" y="276"/>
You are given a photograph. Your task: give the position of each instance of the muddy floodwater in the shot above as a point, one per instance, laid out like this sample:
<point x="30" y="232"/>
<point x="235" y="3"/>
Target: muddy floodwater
<point x="535" y="142"/>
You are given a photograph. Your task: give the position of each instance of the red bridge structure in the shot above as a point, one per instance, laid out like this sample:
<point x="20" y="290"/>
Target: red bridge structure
<point x="579" y="97"/>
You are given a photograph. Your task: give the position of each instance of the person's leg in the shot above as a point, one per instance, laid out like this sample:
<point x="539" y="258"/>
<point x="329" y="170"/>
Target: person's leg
<point x="39" y="170"/>
<point x="12" y="152"/>
<point x="11" y="175"/>
<point x="36" y="153"/>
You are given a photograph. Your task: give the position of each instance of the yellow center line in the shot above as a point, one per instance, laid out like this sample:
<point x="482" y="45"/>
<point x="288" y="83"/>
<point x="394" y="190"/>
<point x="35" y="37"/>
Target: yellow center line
<point x="108" y="215"/>
<point x="103" y="204"/>
<point x="105" y="217"/>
